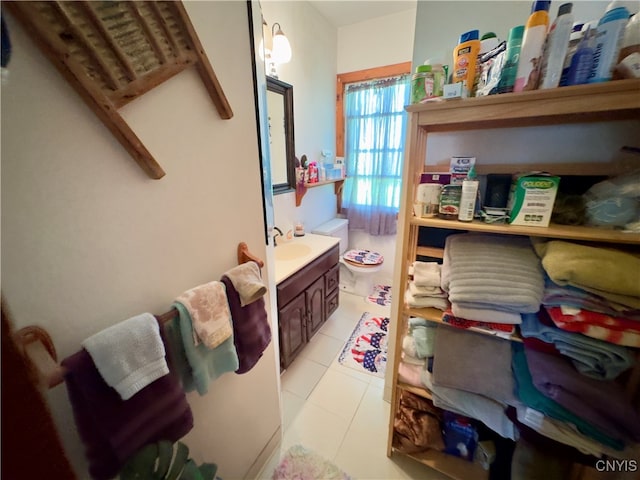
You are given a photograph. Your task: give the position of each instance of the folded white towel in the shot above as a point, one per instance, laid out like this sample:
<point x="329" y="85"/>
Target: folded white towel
<point x="129" y="355"/>
<point x="418" y="291"/>
<point x="247" y="281"/>
<point x="426" y="274"/>
<point x="423" y="302"/>
<point x="208" y="308"/>
<point x="485" y="314"/>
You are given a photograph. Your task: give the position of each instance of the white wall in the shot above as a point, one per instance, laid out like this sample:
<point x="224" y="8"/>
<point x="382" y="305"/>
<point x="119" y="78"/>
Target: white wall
<point x="377" y="42"/>
<point x="89" y="240"/>
<point x="312" y="72"/>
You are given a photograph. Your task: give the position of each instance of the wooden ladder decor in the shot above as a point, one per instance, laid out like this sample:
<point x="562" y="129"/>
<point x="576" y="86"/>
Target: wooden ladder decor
<point x="112" y="52"/>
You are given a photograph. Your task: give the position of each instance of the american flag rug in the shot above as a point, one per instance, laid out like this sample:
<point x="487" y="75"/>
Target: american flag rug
<point x="381" y="295"/>
<point x="366" y="349"/>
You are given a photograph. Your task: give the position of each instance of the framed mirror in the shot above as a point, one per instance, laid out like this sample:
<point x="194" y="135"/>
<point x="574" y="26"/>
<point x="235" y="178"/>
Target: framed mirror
<point x="281" y="139"/>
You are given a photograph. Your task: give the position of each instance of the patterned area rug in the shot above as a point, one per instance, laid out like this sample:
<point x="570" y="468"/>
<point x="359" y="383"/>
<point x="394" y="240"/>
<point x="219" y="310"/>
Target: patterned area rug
<point x="381" y="295"/>
<point x="300" y="463"/>
<point x="366" y="349"/>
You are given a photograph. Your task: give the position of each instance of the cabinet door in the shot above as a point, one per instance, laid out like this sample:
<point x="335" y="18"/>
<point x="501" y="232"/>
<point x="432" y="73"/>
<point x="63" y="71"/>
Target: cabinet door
<point x="315" y="306"/>
<point x="292" y="329"/>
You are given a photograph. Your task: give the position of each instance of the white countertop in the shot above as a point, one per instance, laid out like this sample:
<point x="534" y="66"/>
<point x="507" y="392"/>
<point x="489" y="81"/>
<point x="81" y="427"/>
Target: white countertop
<point x="318" y="244"/>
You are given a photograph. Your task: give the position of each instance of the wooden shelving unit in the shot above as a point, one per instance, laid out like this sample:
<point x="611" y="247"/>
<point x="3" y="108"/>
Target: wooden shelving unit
<point x="301" y="189"/>
<point x="611" y="101"/>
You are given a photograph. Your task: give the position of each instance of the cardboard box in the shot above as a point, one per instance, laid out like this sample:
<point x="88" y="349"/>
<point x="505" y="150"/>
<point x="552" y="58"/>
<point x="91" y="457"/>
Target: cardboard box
<point x="531" y="199"/>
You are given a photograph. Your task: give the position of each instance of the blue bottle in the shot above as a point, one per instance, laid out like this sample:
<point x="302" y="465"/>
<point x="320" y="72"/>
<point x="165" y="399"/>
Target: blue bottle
<point x="582" y="61"/>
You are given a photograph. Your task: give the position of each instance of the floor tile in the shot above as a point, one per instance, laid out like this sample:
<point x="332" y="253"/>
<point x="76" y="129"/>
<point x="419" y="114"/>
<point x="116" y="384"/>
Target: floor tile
<point x="302" y="376"/>
<point x="316" y="429"/>
<point x="291" y="406"/>
<point x="322" y="349"/>
<point x="338" y="393"/>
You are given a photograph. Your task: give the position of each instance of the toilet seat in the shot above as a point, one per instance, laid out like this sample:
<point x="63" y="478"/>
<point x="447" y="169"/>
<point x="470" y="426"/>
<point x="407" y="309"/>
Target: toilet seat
<point x="363" y="258"/>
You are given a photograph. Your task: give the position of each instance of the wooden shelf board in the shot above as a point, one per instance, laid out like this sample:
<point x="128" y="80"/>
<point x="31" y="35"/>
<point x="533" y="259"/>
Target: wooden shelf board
<point x="455" y="467"/>
<point x="301" y="189"/>
<point x="434" y="315"/>
<point x="552" y="231"/>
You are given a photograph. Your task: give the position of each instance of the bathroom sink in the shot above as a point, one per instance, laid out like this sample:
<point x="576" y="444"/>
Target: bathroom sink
<point x="291" y="251"/>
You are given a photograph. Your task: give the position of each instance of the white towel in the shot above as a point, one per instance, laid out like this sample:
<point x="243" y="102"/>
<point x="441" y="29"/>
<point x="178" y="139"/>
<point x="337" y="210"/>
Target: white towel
<point x="247" y="281"/>
<point x="129" y="355"/>
<point x="418" y="291"/>
<point x="210" y="315"/>
<point x="485" y="314"/>
<point x="423" y="302"/>
<point x="426" y="274"/>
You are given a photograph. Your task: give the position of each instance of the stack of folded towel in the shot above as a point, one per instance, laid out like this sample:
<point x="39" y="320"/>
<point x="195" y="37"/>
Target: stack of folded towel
<point x="491" y="278"/>
<point x="122" y="394"/>
<point x="592" y="290"/>
<point x="417" y="350"/>
<point x="424" y="288"/>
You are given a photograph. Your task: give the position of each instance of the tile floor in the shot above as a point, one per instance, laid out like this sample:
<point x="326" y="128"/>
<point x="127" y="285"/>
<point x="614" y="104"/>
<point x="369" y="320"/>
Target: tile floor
<point x="337" y="411"/>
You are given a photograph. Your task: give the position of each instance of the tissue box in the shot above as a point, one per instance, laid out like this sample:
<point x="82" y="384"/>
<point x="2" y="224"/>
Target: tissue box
<point x="531" y="199"/>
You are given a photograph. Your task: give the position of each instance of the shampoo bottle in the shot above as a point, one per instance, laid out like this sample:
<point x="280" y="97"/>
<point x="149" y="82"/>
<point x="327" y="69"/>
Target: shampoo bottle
<point x="582" y="60"/>
<point x="574" y="41"/>
<point x="555" y="48"/>
<point x="465" y="56"/>
<point x="609" y="35"/>
<point x="512" y="56"/>
<point x="469" y="196"/>
<point x="535" y="32"/>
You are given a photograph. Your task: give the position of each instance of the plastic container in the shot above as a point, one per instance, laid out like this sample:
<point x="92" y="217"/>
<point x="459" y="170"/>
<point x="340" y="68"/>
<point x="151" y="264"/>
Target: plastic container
<point x="422" y="84"/>
<point x="609" y="36"/>
<point x="555" y="47"/>
<point x="468" y="197"/>
<point x="510" y="70"/>
<point x="581" y="61"/>
<point x="450" y="202"/>
<point x="439" y="77"/>
<point x="574" y="40"/>
<point x="465" y="56"/>
<point x="535" y="32"/>
<point x="488" y="42"/>
<point x="631" y="38"/>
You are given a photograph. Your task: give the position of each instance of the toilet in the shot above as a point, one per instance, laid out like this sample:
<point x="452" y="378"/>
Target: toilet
<point x="356" y="266"/>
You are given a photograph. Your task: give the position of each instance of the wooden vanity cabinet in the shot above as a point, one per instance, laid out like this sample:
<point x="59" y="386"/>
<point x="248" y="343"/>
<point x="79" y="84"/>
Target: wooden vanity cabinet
<point x="305" y="300"/>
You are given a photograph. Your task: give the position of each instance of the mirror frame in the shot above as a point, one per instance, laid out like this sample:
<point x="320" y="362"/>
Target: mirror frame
<point x="286" y="90"/>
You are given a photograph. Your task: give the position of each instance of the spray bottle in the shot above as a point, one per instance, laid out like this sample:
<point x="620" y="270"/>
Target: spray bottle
<point x="555" y="48"/>
<point x="535" y="32"/>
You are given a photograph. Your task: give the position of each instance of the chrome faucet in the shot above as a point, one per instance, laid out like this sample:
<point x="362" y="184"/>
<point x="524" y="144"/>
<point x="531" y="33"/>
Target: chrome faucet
<point x="279" y="234"/>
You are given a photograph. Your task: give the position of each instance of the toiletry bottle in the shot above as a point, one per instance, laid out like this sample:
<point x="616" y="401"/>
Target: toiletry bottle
<point x="469" y="196"/>
<point x="439" y="77"/>
<point x="465" y="56"/>
<point x="535" y="32"/>
<point x="488" y="42"/>
<point x="582" y="60"/>
<point x="574" y="41"/>
<point x="555" y="47"/>
<point x="514" y="43"/>
<point x="609" y="35"/>
<point x="422" y="84"/>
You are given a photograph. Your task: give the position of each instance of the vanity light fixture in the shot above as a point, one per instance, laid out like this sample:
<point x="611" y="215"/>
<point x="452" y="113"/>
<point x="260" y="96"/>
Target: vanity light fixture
<point x="281" y="51"/>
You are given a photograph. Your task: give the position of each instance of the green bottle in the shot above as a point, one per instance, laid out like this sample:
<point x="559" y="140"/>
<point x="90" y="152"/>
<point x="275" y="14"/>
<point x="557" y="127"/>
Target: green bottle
<point x="508" y="78"/>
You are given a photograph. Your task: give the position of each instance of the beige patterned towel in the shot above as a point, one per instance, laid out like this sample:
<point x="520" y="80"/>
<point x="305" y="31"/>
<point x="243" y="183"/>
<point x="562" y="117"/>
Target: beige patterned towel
<point x="210" y="315"/>
<point x="247" y="281"/>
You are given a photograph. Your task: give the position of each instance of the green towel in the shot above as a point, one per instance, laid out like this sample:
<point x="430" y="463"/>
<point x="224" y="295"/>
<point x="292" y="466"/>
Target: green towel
<point x="533" y="398"/>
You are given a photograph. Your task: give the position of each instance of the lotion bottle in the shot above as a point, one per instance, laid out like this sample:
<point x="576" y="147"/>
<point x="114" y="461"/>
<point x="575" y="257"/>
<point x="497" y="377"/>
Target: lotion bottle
<point x="555" y="48"/>
<point x="469" y="196"/>
<point x="535" y="33"/>
<point x="609" y="35"/>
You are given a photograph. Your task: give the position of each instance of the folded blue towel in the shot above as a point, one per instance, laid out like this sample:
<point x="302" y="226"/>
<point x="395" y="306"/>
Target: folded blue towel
<point x="591" y="357"/>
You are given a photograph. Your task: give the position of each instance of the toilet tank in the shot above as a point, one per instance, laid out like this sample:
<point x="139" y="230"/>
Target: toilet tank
<point x="338" y="227"/>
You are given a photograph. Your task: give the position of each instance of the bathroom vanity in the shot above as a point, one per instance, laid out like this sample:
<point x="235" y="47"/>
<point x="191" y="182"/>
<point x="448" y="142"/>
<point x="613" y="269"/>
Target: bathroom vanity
<point x="307" y="277"/>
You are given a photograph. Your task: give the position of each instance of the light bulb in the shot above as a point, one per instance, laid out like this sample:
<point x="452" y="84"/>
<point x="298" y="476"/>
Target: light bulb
<point x="281" y="52"/>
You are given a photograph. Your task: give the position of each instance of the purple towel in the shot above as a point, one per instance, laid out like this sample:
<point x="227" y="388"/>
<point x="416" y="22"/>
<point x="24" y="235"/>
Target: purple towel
<point x="113" y="429"/>
<point x="251" y="331"/>
<point x="600" y="402"/>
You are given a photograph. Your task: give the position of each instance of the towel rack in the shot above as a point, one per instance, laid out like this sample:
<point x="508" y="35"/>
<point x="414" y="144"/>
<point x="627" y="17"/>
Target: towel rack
<point x="36" y="344"/>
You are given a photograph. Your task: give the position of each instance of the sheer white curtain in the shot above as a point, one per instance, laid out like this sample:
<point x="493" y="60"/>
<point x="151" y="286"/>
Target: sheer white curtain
<point x="375" y="130"/>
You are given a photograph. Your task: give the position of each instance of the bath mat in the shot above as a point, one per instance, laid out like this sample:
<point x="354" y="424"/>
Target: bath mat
<point x="366" y="349"/>
<point x="381" y="295"/>
<point x="300" y="463"/>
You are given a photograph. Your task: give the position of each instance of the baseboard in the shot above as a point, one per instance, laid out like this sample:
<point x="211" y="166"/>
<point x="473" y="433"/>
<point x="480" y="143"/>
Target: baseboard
<point x="255" y="471"/>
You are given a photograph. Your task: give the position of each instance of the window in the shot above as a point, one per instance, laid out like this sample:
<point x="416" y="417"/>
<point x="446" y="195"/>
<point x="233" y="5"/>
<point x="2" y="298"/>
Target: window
<point x="375" y="128"/>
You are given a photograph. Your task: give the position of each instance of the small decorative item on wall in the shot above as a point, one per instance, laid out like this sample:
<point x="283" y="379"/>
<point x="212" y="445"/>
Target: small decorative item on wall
<point x="113" y="52"/>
